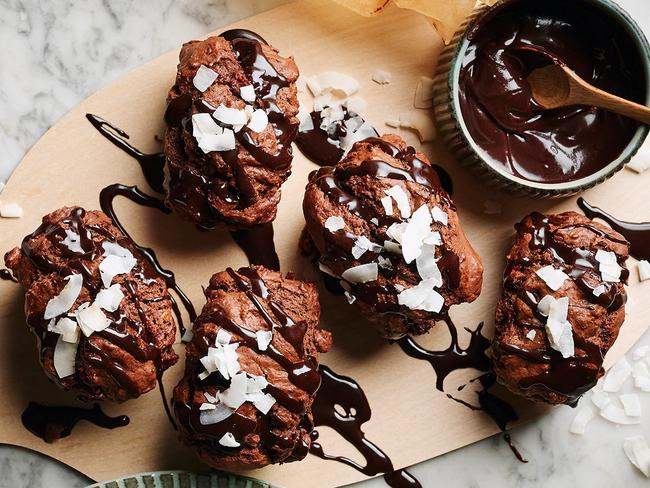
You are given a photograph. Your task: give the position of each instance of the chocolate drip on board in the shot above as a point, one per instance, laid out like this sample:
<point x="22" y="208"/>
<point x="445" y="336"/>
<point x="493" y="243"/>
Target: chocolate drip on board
<point x="151" y="164"/>
<point x="258" y="245"/>
<point x="346" y="394"/>
<point x="636" y="233"/>
<point x="53" y="423"/>
<point x="7" y="275"/>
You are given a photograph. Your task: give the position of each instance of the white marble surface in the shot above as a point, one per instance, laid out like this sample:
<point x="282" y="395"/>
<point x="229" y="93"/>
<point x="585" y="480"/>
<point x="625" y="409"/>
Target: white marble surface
<point x="56" y="53"/>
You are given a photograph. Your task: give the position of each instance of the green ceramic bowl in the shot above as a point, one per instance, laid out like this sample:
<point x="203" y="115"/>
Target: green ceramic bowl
<point x="183" y="479"/>
<point x="459" y="142"/>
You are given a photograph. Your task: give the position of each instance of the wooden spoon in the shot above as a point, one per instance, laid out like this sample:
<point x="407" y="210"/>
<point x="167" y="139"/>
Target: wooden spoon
<point x="557" y="86"/>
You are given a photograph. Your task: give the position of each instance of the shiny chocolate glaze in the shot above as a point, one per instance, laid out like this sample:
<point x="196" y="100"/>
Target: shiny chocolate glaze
<point x="514" y="132"/>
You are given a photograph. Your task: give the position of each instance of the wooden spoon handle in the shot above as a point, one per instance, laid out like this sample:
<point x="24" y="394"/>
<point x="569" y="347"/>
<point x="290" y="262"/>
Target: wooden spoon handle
<point x="590" y="95"/>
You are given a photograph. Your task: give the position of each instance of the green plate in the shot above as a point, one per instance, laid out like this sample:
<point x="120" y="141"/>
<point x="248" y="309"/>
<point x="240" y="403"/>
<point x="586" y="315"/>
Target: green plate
<point x="183" y="479"/>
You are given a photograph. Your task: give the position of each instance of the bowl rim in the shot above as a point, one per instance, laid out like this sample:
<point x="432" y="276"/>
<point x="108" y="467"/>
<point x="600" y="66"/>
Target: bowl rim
<point x="640" y="41"/>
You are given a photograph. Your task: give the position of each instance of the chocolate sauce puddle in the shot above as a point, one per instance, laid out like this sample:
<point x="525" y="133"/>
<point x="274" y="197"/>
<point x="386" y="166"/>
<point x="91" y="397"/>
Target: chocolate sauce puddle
<point x="346" y="394"/>
<point x="257" y="243"/>
<point x="637" y="234"/>
<point x="151" y="164"/>
<point x="7" y="275"/>
<point x="54" y="423"/>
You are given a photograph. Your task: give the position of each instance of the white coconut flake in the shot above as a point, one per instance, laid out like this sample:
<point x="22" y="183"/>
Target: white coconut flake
<point x="220" y="413"/>
<point x="580" y="421"/>
<point x="247" y="93"/>
<point x="554" y="278"/>
<point x="600" y="399"/>
<point x="110" y="298"/>
<point x="92" y="319"/>
<point x="356" y="105"/>
<point x="422" y="297"/>
<point x="235" y="395"/>
<point x="363" y="244"/>
<point x="331" y="81"/>
<point x="362" y="273"/>
<point x="207" y="406"/>
<point x="259" y="121"/>
<point x="392" y="247"/>
<point x="230" y="116"/>
<point x="306" y="122"/>
<point x="366" y="130"/>
<point x="428" y="267"/>
<point x="223" y="337"/>
<point x="617" y="375"/>
<point x="384" y="262"/>
<point x="203" y="124"/>
<point x="204" y="78"/>
<point x="609" y="268"/>
<point x="640" y="352"/>
<point x="11" y="210"/>
<point x="264" y="403"/>
<point x="417" y="229"/>
<point x="643" y="267"/>
<point x="264" y="338"/>
<point x="255" y="384"/>
<point x="637" y="451"/>
<point x="117" y="260"/>
<point x="531" y="334"/>
<point x="73" y="242"/>
<point x="599" y="290"/>
<point x="218" y="142"/>
<point x="65" y="354"/>
<point x="560" y="333"/>
<point x="334" y="223"/>
<point x="544" y="305"/>
<point x="387" y="203"/>
<point x="350" y="297"/>
<point x="382" y="77"/>
<point x="617" y="415"/>
<point x="439" y="215"/>
<point x="63" y="302"/>
<point x="433" y="239"/>
<point x="67" y="328"/>
<point x="421" y="123"/>
<point x="228" y="440"/>
<point x="631" y="404"/>
<point x="424" y="93"/>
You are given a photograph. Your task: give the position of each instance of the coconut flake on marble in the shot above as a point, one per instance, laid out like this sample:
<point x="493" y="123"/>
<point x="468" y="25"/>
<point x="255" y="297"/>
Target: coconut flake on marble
<point x="617" y="375"/>
<point x="554" y="278"/>
<point x="631" y="404"/>
<point x="616" y="415"/>
<point x="366" y="130"/>
<point x="637" y="451"/>
<point x="334" y="223"/>
<point x="65" y="354"/>
<point x="362" y="273"/>
<point x="640" y="352"/>
<point x="333" y="82"/>
<point x="580" y="421"/>
<point x="247" y="93"/>
<point x="64" y="301"/>
<point x="600" y="399"/>
<point x="204" y="78"/>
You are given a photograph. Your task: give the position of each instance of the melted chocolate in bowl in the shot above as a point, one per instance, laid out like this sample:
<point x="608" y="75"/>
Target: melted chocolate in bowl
<point x="516" y="134"/>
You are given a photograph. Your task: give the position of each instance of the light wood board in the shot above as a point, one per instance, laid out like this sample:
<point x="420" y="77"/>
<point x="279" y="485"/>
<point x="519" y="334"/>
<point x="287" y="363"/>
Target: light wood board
<point x="411" y="420"/>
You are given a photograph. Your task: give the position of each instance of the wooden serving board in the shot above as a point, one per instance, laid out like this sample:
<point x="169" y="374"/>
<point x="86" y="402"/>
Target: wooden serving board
<point x="411" y="420"/>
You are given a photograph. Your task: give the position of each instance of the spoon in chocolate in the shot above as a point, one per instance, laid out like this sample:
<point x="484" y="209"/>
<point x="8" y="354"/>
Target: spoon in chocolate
<point x="556" y="86"/>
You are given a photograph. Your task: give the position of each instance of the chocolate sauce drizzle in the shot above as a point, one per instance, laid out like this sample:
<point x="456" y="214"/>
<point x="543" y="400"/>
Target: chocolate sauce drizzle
<point x="151" y="164"/>
<point x="573" y="376"/>
<point x="54" y="423"/>
<point x="637" y="234"/>
<point x="346" y="394"/>
<point x="7" y="275"/>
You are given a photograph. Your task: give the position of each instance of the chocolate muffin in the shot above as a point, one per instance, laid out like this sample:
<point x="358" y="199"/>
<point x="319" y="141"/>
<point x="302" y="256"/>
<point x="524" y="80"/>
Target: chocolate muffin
<point x="101" y="313"/>
<point x="562" y="306"/>
<point x="251" y="370"/>
<point x="387" y="229"/>
<point x="232" y="117"/>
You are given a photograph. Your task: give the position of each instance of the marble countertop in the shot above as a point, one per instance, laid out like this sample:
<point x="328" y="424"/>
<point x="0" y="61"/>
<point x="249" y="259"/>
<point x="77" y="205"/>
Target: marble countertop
<point x="55" y="54"/>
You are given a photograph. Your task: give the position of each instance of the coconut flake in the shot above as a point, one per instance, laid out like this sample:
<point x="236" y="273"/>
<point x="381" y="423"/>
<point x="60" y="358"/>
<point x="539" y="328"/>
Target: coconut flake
<point x="363" y="244"/>
<point x="331" y="81"/>
<point x="63" y="302"/>
<point x="350" y="297"/>
<point x="366" y="130"/>
<point x="65" y="327"/>
<point x="110" y="298"/>
<point x="424" y="93"/>
<point x="264" y="403"/>
<point x="306" y="122"/>
<point x="640" y="352"/>
<point x="382" y="77"/>
<point x="65" y="354"/>
<point x="218" y="142"/>
<point x="362" y="273"/>
<point x="356" y="104"/>
<point x="531" y="334"/>
<point x="581" y="420"/>
<point x="421" y="123"/>
<point x="247" y="93"/>
<point x="228" y="440"/>
<point x="92" y="319"/>
<point x="559" y="330"/>
<point x="220" y="413"/>
<point x="599" y="290"/>
<point x="428" y="267"/>
<point x="203" y="124"/>
<point x="230" y="116"/>
<point x="544" y="305"/>
<point x="631" y="404"/>
<point x="609" y="268"/>
<point x="387" y="203"/>
<point x="439" y="215"/>
<point x="422" y="297"/>
<point x="264" y="338"/>
<point x="334" y="223"/>
<point x="73" y="242"/>
<point x="117" y="260"/>
<point x="417" y="229"/>
<point x="643" y="267"/>
<point x="600" y="399"/>
<point x="617" y="415"/>
<point x="617" y="375"/>
<point x="235" y="395"/>
<point x="204" y="78"/>
<point x="637" y="451"/>
<point x="223" y="337"/>
<point x="11" y="210"/>
<point x="554" y="278"/>
<point x="259" y="121"/>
